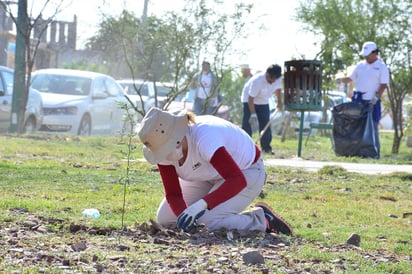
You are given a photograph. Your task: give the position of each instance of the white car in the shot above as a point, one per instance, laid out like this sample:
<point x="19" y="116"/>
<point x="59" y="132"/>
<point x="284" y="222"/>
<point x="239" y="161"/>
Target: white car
<point x="33" y="116"/>
<point x="80" y="102"/>
<point x="146" y="93"/>
<point x="185" y="101"/>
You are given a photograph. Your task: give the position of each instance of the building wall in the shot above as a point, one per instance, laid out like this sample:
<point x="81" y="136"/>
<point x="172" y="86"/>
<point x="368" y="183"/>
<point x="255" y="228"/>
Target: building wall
<point x="56" y="42"/>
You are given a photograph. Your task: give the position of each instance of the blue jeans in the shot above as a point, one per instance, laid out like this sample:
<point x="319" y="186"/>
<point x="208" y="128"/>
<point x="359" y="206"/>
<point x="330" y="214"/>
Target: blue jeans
<point x="199" y="107"/>
<point x="245" y="119"/>
<point x="263" y="114"/>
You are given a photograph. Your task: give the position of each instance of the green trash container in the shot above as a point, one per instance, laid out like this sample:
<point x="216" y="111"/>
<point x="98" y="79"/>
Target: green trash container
<point x="302" y="89"/>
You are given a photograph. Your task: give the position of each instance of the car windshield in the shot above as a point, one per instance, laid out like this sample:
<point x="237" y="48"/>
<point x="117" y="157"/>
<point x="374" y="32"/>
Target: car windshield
<point x="143" y="89"/>
<point x="162" y="90"/>
<point x="187" y="97"/>
<point x="62" y="84"/>
<point x="135" y="89"/>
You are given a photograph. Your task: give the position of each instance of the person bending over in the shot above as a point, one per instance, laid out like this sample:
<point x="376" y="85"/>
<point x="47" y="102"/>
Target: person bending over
<point x="211" y="172"/>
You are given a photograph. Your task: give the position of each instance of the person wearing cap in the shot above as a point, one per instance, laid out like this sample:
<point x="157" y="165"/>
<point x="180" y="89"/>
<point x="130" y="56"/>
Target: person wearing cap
<point x="255" y="100"/>
<point x="211" y="172"/>
<point x="246" y="73"/>
<point x="370" y="78"/>
<point x="206" y="92"/>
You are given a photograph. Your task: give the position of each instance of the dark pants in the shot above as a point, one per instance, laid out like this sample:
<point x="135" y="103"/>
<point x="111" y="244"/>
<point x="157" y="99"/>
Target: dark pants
<point x="200" y="107"/>
<point x="245" y="119"/>
<point x="263" y="115"/>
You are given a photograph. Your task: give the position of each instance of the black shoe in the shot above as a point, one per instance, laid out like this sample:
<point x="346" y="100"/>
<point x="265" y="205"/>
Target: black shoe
<point x="275" y="223"/>
<point x="269" y="151"/>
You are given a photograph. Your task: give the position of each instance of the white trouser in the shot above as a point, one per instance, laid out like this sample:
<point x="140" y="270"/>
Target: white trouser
<point x="229" y="214"/>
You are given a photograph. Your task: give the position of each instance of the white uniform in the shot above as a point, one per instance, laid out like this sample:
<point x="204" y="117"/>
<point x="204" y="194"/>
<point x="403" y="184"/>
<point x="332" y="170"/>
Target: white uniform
<point x="368" y="77"/>
<point x="202" y="144"/>
<point x="205" y="85"/>
<point x="198" y="177"/>
<point x="259" y="88"/>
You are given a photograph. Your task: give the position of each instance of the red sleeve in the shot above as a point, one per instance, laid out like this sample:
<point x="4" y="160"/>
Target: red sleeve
<point x="173" y="192"/>
<point x="234" y="182"/>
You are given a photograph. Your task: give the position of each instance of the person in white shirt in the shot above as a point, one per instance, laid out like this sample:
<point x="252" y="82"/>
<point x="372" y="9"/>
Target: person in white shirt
<point x="206" y="92"/>
<point x="255" y="100"/>
<point x="246" y="73"/>
<point x="211" y="172"/>
<point x="370" y="78"/>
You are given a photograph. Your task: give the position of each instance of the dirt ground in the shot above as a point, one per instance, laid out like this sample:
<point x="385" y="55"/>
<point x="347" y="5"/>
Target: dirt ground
<point x="35" y="244"/>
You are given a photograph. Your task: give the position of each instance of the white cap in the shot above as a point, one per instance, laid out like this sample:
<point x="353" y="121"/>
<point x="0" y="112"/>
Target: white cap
<point x="367" y="48"/>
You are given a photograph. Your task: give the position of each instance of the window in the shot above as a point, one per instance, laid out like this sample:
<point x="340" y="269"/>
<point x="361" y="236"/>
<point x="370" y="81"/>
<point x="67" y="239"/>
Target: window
<point x="8" y="82"/>
<point x="99" y="87"/>
<point x="112" y="88"/>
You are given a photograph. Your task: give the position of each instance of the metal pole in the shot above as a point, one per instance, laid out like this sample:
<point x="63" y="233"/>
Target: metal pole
<point x="302" y="119"/>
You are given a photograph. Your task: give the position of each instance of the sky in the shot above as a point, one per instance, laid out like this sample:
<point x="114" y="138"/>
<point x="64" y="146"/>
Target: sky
<point x="282" y="40"/>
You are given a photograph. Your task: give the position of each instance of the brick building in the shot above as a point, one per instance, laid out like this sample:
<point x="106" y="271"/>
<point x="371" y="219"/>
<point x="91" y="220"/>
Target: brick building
<point x="56" y="43"/>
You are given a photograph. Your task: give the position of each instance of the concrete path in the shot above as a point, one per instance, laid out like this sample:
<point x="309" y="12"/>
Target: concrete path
<point x="351" y="167"/>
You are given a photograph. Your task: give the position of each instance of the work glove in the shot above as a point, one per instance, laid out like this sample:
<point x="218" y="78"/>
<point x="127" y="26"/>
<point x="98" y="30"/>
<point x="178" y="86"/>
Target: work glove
<point x="187" y="219"/>
<point x="253" y="120"/>
<point x="375" y="99"/>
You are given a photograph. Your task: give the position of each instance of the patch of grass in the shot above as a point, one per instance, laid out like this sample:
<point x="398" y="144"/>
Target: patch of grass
<point x="319" y="148"/>
<point x="330" y="205"/>
<point x="333" y="170"/>
<point x="58" y="177"/>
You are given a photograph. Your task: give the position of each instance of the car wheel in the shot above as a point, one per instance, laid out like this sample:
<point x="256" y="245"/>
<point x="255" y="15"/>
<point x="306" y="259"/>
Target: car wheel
<point x="30" y="125"/>
<point x="85" y="127"/>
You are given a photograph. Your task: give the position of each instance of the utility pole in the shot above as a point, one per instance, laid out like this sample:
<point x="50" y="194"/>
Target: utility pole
<point x="144" y="15"/>
<point x="19" y="85"/>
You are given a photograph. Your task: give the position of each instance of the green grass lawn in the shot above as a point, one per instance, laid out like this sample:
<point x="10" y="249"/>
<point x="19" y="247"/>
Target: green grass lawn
<point x="60" y="176"/>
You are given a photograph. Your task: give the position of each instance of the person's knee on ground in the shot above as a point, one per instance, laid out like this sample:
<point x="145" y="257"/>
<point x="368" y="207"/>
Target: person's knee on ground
<point x="165" y="215"/>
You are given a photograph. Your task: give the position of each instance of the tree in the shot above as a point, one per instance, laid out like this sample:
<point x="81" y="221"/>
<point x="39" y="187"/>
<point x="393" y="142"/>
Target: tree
<point x="343" y="26"/>
<point x="218" y="30"/>
<point x="113" y="37"/>
<point x="171" y="48"/>
<point x="26" y="48"/>
<point x="84" y="65"/>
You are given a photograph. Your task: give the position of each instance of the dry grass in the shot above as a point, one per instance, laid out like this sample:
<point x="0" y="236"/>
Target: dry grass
<point x="47" y="181"/>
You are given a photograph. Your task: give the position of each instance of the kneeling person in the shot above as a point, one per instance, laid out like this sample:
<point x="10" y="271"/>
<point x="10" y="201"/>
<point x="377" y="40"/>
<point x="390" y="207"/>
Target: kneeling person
<point x="211" y="172"/>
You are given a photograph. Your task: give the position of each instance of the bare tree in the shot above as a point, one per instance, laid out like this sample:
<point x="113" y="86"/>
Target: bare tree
<point x="170" y="48"/>
<point x="26" y="49"/>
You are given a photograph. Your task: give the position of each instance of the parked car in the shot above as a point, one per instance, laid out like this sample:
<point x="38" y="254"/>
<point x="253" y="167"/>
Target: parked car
<point x="33" y="116"/>
<point x="80" y="102"/>
<point x="150" y="93"/>
<point x="186" y="102"/>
